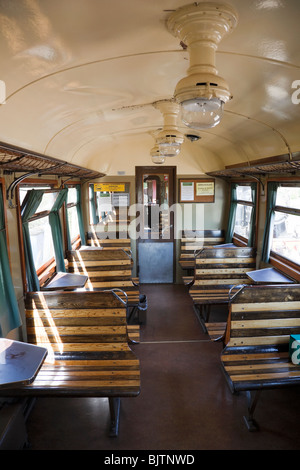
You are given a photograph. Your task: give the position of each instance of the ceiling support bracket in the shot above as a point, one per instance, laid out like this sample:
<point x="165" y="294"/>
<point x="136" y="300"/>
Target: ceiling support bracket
<point x="14" y="184"/>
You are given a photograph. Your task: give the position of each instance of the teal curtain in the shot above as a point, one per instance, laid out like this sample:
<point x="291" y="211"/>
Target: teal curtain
<point x="80" y="216"/>
<point x="232" y="212"/>
<point x="9" y="312"/>
<point x="30" y="204"/>
<point x="268" y="232"/>
<point x="95" y="218"/>
<point x="253" y="214"/>
<point x="56" y="230"/>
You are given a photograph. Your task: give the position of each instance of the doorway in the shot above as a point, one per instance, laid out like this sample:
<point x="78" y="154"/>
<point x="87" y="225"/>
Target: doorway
<point x="155" y="196"/>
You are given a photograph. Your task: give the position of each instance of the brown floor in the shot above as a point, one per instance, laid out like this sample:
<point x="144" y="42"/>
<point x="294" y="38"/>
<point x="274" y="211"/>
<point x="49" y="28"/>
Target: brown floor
<point x="185" y="403"/>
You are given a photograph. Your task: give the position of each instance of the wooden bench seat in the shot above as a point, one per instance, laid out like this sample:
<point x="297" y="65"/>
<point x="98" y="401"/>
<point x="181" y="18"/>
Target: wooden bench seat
<point x="109" y="241"/>
<point x="108" y="269"/>
<point x="194" y="240"/>
<point x="256" y="355"/>
<point x="85" y="334"/>
<point x="219" y="273"/>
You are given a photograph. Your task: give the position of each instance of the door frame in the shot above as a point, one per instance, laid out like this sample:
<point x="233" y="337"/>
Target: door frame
<point x="171" y="171"/>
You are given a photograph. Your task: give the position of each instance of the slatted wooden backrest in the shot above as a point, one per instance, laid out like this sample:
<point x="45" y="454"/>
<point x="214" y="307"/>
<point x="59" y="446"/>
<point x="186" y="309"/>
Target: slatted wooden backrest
<point x="82" y="323"/>
<point x="104" y="268"/>
<point x="261" y="316"/>
<point x="192" y="241"/>
<point x="223" y="266"/>
<point x="111" y="243"/>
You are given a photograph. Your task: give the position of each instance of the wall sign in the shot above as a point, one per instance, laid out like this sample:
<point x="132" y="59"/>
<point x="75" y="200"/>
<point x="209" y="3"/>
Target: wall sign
<point x="111" y="187"/>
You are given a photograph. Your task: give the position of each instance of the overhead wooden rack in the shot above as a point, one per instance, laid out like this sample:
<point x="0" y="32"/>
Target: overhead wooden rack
<point x="18" y="160"/>
<point x="263" y="167"/>
<point x="15" y="159"/>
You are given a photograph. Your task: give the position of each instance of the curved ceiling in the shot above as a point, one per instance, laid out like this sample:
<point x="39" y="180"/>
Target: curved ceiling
<point x="81" y="75"/>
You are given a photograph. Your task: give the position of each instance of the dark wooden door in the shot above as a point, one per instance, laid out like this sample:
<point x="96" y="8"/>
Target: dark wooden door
<point x="155" y="196"/>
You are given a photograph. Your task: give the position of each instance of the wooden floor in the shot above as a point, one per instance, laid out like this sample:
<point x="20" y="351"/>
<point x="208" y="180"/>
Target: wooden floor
<point x="184" y="404"/>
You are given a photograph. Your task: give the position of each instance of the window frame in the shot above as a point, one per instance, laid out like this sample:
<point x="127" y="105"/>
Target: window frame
<point x="285" y="265"/>
<point x="75" y="243"/>
<point x="238" y="239"/>
<point x="47" y="269"/>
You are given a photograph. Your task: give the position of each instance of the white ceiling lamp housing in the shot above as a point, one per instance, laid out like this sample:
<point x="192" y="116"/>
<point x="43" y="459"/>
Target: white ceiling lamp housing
<point x="157" y="158"/>
<point x="169" y="140"/>
<point x="202" y="93"/>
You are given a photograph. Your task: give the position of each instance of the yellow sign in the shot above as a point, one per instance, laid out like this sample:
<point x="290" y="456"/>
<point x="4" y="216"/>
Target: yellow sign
<point x="111" y="187"/>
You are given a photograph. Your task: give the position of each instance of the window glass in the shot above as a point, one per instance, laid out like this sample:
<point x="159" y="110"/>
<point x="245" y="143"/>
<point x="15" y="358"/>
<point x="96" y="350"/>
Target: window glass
<point x="288" y="197"/>
<point x="243" y="193"/>
<point x="23" y="190"/>
<point x="73" y="222"/>
<point x="72" y="196"/>
<point x="243" y="220"/>
<point x="47" y="202"/>
<point x="286" y="236"/>
<point x="156" y="206"/>
<point x="41" y="241"/>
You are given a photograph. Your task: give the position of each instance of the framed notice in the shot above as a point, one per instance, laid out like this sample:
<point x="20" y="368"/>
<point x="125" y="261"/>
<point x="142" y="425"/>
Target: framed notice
<point x="112" y="194"/>
<point x="196" y="190"/>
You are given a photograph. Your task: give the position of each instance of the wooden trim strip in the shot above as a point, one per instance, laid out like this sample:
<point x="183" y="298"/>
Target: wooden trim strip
<point x="224" y="260"/>
<point x="258" y="340"/>
<point x="272" y="323"/>
<point x="265" y="306"/>
<point x="222" y="271"/>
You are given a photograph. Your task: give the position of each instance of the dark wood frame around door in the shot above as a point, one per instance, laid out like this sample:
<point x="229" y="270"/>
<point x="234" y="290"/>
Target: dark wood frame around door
<point x="155" y="170"/>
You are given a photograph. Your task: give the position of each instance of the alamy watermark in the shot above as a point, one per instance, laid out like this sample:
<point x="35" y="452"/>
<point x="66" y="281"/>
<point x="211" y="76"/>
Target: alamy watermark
<point x="153" y="222"/>
<point x="295" y="352"/>
<point x="296" y="93"/>
<point x="2" y="92"/>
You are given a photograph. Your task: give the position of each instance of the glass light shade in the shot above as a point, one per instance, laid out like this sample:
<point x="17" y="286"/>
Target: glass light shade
<point x="158" y="159"/>
<point x="169" y="149"/>
<point x="202" y="113"/>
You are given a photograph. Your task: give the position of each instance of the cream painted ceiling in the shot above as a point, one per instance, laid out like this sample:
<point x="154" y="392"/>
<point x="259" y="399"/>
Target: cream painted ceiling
<point x="81" y="75"/>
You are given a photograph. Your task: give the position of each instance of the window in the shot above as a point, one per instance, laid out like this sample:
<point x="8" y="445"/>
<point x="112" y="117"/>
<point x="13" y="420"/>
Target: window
<point x="241" y="224"/>
<point x="108" y="207"/>
<point x="244" y="210"/>
<point x="285" y="240"/>
<point x="40" y="229"/>
<point x="72" y="216"/>
<point x="75" y="224"/>
<point x="42" y="232"/>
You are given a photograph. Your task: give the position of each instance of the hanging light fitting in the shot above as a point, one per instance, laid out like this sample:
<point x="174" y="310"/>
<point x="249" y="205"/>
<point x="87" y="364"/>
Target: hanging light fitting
<point x="169" y="140"/>
<point x="202" y="93"/>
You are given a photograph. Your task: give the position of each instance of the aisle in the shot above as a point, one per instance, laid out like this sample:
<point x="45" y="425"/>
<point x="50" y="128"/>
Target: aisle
<point x="170" y="315"/>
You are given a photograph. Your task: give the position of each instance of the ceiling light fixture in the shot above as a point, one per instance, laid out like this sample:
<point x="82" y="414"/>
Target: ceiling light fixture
<point x="202" y="93"/>
<point x="157" y="158"/>
<point x="169" y="140"/>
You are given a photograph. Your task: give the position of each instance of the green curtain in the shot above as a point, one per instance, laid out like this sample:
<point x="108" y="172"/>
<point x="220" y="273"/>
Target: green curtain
<point x="232" y="212"/>
<point x="56" y="230"/>
<point x="79" y="215"/>
<point x="94" y="215"/>
<point x="253" y="214"/>
<point x="9" y="312"/>
<point x="30" y="204"/>
<point x="268" y="232"/>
